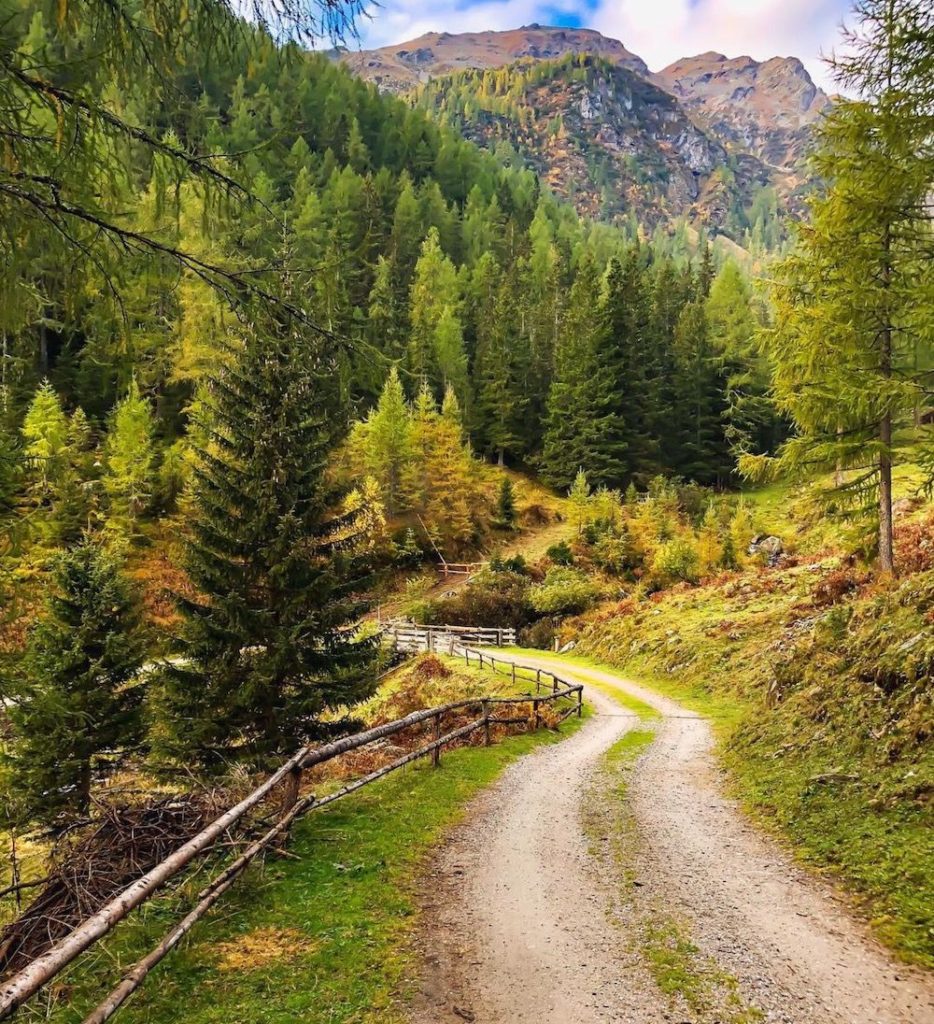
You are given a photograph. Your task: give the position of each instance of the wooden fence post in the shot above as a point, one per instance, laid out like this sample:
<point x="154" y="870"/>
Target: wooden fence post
<point x="538" y="714"/>
<point x="580" y="701"/>
<point x="290" y="789"/>
<point x="436" y="753"/>
<point x="486" y="723"/>
<point x="538" y="680"/>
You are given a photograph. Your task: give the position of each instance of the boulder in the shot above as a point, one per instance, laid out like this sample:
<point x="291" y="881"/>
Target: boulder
<point x="770" y="547"/>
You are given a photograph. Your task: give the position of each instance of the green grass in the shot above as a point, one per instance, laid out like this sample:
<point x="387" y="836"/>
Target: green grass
<point x="332" y="926"/>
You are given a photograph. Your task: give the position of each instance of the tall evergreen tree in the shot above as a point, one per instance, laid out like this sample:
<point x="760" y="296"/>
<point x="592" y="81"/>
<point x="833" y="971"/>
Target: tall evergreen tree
<point x="267" y="642"/>
<point x="571" y="431"/>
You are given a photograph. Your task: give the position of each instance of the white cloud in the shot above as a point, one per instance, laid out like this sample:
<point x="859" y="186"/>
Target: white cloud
<point x="659" y="31"/>
<point x="395" y="21"/>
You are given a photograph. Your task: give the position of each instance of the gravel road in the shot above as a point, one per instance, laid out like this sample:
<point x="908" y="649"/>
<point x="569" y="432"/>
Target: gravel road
<point x="519" y="915"/>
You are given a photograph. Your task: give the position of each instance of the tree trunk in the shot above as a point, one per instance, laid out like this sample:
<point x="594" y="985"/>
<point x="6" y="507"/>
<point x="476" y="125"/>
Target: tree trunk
<point x="83" y="794"/>
<point x="501" y="458"/>
<point x="886" y="546"/>
<point x="838" y="472"/>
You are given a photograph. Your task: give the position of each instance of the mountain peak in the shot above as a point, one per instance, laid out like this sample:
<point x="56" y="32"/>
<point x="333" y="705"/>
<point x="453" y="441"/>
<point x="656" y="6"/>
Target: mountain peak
<point x="401" y="66"/>
<point x="763" y="107"/>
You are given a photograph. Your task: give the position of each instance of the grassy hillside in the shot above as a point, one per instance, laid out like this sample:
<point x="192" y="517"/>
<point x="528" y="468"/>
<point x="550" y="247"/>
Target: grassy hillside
<point x="828" y="679"/>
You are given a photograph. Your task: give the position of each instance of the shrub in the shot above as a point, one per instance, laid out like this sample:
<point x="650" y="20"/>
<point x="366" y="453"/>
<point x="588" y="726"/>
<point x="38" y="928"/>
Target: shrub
<point x="837" y="585"/>
<point x="560" y="554"/>
<point x="564" y="592"/>
<point x="540" y="634"/>
<point x="492" y="599"/>
<point x="676" y="561"/>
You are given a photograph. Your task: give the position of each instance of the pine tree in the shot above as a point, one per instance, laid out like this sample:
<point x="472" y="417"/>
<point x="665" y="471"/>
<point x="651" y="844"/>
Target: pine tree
<point x="78" y="704"/>
<point x="129" y="453"/>
<point x="266" y="641"/>
<point x="855" y="301"/>
<point x="506" y="505"/>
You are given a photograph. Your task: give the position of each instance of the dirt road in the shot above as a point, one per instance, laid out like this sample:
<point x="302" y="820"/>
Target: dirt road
<point x="522" y="912"/>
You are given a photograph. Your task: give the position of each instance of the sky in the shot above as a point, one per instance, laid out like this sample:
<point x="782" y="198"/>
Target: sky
<point x="659" y="31"/>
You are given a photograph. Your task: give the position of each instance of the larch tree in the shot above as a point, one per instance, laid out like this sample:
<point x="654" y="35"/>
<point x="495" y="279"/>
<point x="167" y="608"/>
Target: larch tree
<point x="129" y="453"/>
<point x="855" y="301"/>
<point x="384" y="443"/>
<point x="434" y="290"/>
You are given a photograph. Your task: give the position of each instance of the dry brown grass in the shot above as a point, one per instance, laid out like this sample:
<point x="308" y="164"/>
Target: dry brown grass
<point x="262" y="947"/>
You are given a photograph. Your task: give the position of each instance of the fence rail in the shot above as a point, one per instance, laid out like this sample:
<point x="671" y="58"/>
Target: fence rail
<point x="25" y="983"/>
<point x="461" y="568"/>
<point x="415" y="638"/>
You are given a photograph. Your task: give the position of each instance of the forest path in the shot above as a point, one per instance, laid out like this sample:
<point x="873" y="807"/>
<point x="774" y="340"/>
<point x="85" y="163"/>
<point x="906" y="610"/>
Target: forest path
<point x="524" y="921"/>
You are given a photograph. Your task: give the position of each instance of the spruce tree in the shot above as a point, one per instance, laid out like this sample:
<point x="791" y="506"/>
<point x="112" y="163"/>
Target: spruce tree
<point x="501" y="375"/>
<point x="751" y="422"/>
<point x="267" y="641"/>
<point x="78" y="705"/>
<point x="702" y="450"/>
<point x="855" y="301"/>
<point x="625" y="365"/>
<point x="568" y="426"/>
<point x="506" y="505"/>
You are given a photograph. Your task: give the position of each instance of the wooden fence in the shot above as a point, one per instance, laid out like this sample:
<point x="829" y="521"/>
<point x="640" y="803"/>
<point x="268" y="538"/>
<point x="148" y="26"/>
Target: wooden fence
<point x="461" y="568"/>
<point x="490" y="711"/>
<point x="413" y="638"/>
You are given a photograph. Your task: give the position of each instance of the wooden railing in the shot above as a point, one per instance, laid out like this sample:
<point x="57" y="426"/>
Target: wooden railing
<point x="415" y="638"/>
<point x="23" y="985"/>
<point x="461" y="568"/>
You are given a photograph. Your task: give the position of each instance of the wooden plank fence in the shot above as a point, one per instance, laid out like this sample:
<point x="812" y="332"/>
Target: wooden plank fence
<point x="413" y="638"/>
<point x="461" y="568"/>
<point x="490" y="711"/>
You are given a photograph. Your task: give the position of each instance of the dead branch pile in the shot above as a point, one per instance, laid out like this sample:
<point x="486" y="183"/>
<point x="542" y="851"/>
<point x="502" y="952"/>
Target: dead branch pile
<point x="91" y="865"/>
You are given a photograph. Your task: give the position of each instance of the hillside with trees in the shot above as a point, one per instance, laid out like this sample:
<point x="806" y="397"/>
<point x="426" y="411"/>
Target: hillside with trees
<point x="275" y="345"/>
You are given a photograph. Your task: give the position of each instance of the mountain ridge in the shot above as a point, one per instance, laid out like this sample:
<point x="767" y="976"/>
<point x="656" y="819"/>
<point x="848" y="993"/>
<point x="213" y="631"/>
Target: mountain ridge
<point x="701" y="139"/>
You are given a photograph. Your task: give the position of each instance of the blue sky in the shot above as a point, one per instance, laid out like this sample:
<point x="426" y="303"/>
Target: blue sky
<point x="659" y="31"/>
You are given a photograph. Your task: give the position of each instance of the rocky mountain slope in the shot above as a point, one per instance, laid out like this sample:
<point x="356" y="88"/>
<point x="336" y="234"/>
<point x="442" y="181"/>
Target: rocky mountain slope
<point x="715" y="141"/>
<point x="603" y="137"/>
<point x="402" y="66"/>
<point x="766" y="109"/>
